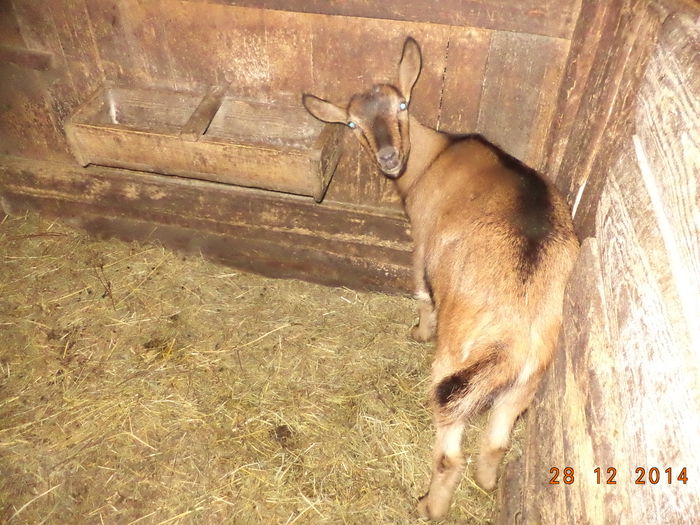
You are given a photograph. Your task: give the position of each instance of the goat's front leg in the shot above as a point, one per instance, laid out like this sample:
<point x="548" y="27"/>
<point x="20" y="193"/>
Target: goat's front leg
<point x="425" y="329"/>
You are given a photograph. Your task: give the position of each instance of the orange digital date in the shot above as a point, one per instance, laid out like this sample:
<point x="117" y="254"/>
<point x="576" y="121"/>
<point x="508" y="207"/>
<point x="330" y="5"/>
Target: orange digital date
<point x="652" y="476"/>
<point x="567" y="475"/>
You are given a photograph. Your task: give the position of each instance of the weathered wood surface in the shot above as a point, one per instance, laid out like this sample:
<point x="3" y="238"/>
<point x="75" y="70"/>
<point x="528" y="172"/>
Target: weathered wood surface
<point x="247" y="144"/>
<point x="34" y="104"/>
<point x="624" y="392"/>
<point x="534" y="65"/>
<point x="264" y="232"/>
<point x="529" y="16"/>
<point x="271" y="55"/>
<point x="597" y="111"/>
<point x="9" y="27"/>
<point x="139" y="109"/>
<point x="37" y="60"/>
<point x="587" y="37"/>
<point x="201" y="118"/>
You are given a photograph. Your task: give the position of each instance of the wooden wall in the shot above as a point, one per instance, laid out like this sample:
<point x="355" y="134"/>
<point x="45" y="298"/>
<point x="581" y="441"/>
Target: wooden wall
<point x="491" y="66"/>
<point x="624" y="391"/>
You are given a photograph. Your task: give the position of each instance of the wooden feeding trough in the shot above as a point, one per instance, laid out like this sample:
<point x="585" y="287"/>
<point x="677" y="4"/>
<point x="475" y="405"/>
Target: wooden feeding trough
<point x="206" y="136"/>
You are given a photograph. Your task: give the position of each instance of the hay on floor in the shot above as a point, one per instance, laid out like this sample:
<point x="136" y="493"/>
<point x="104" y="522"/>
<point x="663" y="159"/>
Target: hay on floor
<point x="141" y="386"/>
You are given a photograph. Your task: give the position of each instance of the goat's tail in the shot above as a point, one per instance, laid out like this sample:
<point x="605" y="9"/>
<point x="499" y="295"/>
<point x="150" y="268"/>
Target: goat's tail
<point x="486" y="373"/>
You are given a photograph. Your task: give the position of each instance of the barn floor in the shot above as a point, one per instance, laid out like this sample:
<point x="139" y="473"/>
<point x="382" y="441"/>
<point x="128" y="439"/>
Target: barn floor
<point x="141" y="386"/>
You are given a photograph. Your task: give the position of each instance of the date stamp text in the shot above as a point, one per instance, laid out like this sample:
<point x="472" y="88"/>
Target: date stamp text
<point x="609" y="476"/>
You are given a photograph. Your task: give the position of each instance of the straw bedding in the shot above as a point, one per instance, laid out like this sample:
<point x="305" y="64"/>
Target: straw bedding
<point x="141" y="386"/>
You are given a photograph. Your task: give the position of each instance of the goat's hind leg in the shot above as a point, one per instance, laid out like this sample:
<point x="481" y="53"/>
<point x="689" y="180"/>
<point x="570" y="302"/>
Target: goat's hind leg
<point x="496" y="442"/>
<point x="448" y="467"/>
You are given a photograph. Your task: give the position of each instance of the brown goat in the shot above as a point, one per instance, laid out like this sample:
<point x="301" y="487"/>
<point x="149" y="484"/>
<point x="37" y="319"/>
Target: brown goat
<point x="494" y="246"/>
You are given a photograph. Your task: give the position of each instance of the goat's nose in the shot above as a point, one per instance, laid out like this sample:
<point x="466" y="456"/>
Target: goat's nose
<point x="388" y="156"/>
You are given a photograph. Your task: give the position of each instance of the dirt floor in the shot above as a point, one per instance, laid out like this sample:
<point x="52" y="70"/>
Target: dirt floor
<point x="141" y="386"/>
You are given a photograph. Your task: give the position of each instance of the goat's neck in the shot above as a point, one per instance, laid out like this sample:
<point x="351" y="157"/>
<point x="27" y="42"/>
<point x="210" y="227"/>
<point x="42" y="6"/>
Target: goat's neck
<point x="426" y="145"/>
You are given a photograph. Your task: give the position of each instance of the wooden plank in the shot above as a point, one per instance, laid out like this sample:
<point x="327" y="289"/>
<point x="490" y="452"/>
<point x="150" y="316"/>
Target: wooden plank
<point x="555" y="19"/>
<point x="263" y="55"/>
<point x="667" y="151"/>
<point x="28" y="124"/>
<point x="266" y="125"/>
<point x="35" y="25"/>
<point x="509" y="496"/>
<point x="230" y="163"/>
<point x="198" y="123"/>
<point x="563" y="421"/>
<point x="651" y="354"/>
<point x="197" y="199"/>
<point x="122" y="37"/>
<point x="10" y="34"/>
<point x="521" y="83"/>
<point x="373" y="58"/>
<point x="358" y="180"/>
<point x="623" y="391"/>
<point x="62" y="27"/>
<point x="259" y="231"/>
<point x="596" y="24"/>
<point x="341" y="70"/>
<point x="606" y="110"/>
<point x="26" y="58"/>
<point x="515" y="108"/>
<point x="467" y="53"/>
<point x="139" y="109"/>
<point x="77" y="48"/>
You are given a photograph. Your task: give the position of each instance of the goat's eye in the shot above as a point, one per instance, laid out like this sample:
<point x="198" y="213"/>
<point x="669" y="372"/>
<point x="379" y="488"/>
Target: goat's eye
<point x="403" y="105"/>
<point x="352" y="125"/>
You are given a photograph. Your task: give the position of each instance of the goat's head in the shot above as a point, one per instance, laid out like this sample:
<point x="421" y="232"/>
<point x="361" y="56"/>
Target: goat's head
<point x="379" y="117"/>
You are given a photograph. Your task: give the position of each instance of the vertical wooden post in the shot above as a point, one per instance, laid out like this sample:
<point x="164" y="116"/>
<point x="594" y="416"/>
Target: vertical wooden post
<point x="612" y="436"/>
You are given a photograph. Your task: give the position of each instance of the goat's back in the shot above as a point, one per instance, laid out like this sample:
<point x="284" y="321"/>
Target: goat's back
<point x="498" y="244"/>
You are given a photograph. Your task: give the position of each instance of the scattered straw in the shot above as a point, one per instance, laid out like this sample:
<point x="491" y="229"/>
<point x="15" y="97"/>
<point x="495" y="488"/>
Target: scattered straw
<point x="19" y="510"/>
<point x="140" y="386"/>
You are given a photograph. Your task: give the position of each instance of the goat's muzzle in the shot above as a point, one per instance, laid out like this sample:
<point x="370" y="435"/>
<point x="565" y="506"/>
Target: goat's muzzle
<point x="390" y="161"/>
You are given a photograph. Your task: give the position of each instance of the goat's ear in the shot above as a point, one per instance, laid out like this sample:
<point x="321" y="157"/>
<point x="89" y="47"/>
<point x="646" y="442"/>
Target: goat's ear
<point x="324" y="110"/>
<point x="409" y="67"/>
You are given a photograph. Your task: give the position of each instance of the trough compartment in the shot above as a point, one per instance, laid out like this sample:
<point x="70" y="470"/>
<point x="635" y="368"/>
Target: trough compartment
<point x="206" y="136"/>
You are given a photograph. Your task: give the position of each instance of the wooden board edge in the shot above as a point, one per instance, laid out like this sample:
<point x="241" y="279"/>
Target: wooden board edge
<point x="332" y="257"/>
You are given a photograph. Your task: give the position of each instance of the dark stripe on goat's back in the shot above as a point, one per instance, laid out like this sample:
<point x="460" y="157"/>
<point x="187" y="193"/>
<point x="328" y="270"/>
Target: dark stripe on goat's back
<point x="533" y="215"/>
<point x="533" y="219"/>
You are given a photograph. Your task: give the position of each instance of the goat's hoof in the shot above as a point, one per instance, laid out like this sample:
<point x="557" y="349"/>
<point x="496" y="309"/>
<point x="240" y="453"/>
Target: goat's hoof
<point x="420" y="334"/>
<point x="423" y="508"/>
<point x="427" y="509"/>
<point x="486" y="480"/>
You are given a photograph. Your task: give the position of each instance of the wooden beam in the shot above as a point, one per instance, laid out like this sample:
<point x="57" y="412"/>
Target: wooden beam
<point x="602" y="97"/>
<point x="540" y="17"/>
<point x="260" y="231"/>
<point x="622" y="393"/>
<point x="26" y="58"/>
